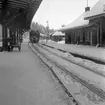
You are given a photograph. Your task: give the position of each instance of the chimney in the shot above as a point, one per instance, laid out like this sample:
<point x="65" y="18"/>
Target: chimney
<point x="87" y="9"/>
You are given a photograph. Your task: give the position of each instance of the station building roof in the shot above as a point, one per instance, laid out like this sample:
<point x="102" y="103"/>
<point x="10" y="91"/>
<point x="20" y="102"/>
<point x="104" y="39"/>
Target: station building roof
<point x="58" y="33"/>
<point x="79" y="22"/>
<point x="97" y="10"/>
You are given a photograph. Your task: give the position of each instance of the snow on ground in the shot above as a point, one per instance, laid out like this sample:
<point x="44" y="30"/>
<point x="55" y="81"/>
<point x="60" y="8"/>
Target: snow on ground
<point x="82" y="94"/>
<point x="85" y="63"/>
<point x="89" y="51"/>
<point x="44" y="41"/>
<point x="85" y="96"/>
<point x="25" y="80"/>
<point x="61" y="42"/>
<point x="82" y="62"/>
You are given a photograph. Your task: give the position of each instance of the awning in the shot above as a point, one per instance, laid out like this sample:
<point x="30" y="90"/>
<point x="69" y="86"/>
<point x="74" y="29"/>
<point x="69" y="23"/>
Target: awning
<point x="18" y="14"/>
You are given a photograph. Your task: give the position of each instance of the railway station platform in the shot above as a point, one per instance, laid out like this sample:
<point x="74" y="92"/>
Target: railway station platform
<point x="25" y="80"/>
<point x="96" y="53"/>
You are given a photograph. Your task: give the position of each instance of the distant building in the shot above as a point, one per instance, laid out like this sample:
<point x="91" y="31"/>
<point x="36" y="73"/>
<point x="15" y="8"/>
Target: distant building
<point x="42" y="36"/>
<point x="57" y="36"/>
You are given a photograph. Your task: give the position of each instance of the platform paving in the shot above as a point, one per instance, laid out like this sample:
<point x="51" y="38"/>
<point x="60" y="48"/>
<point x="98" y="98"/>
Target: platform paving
<point x="25" y="80"/>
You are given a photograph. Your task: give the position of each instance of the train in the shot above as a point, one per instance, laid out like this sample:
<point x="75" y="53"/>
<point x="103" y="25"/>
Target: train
<point x="34" y="36"/>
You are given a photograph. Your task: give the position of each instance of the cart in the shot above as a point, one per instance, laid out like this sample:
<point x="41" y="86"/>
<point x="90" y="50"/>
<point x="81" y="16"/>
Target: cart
<point x="15" y="41"/>
<point x="18" y="45"/>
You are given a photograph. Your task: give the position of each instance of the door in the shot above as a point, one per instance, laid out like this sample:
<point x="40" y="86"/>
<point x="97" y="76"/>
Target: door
<point x="94" y="37"/>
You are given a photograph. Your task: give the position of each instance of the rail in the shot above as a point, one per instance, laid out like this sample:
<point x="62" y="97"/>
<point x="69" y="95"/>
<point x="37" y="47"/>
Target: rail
<point x="78" y="55"/>
<point x="36" y="52"/>
<point x="87" y="68"/>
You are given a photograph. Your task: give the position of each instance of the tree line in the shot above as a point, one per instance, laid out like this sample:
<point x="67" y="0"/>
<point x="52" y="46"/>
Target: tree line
<point x="42" y="29"/>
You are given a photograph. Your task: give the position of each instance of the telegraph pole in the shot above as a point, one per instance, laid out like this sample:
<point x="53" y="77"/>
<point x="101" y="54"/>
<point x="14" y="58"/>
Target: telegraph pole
<point x="87" y="3"/>
<point x="47" y="30"/>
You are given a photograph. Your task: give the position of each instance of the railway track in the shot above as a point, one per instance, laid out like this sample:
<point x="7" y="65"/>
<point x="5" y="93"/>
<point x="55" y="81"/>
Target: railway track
<point x="78" y="55"/>
<point x="36" y="52"/>
<point x="87" y="68"/>
<point x="91" y="87"/>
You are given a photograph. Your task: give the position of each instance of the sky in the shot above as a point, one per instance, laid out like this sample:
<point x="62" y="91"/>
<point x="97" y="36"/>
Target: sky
<point x="61" y="12"/>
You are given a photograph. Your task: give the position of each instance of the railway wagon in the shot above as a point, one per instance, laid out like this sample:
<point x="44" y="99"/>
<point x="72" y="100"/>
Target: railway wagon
<point x="34" y="36"/>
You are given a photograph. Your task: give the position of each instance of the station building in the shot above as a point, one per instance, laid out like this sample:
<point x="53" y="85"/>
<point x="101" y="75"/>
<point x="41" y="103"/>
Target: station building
<point x="88" y="28"/>
<point x="96" y="26"/>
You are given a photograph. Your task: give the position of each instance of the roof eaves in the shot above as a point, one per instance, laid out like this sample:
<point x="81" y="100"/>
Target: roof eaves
<point x="94" y="16"/>
<point x="78" y="27"/>
<point x="79" y="22"/>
